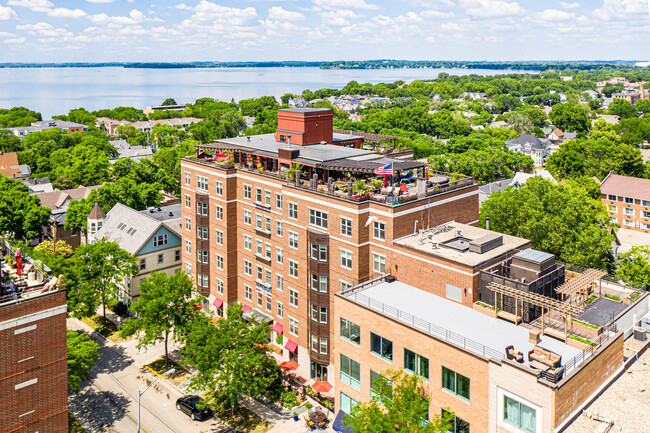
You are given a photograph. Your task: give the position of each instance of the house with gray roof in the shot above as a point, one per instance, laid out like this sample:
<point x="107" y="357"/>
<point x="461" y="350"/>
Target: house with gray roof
<point x="152" y="236"/>
<point x="125" y="150"/>
<point x="537" y="148"/>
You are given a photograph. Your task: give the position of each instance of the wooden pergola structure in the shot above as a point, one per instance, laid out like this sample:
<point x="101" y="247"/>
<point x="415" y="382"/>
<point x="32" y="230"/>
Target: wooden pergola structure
<point x="547" y="304"/>
<point x="578" y="288"/>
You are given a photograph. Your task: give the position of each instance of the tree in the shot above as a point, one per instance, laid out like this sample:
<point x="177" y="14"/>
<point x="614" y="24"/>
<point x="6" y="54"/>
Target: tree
<point x="558" y="219"/>
<point x="9" y="142"/>
<point x="400" y="404"/>
<point x="21" y="214"/>
<point x="164" y="307"/>
<point x="643" y="105"/>
<point x="82" y="356"/>
<point x="635" y="265"/>
<point x="102" y="268"/>
<point x="622" y="108"/>
<point x="230" y="358"/>
<point x="62" y="248"/>
<point x="569" y="117"/>
<point x="169" y="101"/>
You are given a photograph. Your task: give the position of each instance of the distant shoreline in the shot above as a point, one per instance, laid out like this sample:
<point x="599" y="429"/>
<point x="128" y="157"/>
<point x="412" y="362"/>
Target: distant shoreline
<point x="353" y="64"/>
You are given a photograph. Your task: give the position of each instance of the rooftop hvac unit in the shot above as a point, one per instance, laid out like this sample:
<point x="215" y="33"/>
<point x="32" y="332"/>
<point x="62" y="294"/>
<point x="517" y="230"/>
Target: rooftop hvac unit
<point x="640" y="333"/>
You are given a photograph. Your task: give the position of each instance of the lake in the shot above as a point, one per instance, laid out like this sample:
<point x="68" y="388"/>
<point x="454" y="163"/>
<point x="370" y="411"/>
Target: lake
<point x="52" y="91"/>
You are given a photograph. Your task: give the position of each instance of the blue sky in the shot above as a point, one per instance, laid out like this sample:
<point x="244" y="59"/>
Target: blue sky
<point x="254" y="30"/>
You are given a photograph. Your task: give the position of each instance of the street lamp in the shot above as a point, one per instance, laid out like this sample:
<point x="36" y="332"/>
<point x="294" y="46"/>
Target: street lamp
<point x="170" y="371"/>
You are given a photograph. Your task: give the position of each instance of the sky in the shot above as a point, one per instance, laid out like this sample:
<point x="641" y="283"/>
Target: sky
<point x="260" y="30"/>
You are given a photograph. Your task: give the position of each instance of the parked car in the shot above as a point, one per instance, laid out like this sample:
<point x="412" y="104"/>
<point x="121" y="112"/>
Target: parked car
<point x="189" y="404"/>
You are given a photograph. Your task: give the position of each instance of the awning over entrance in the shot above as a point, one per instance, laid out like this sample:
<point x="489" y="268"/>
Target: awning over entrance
<point x="291" y="346"/>
<point x="278" y="327"/>
<point x="217" y="303"/>
<point x="337" y="425"/>
<point x="245" y="308"/>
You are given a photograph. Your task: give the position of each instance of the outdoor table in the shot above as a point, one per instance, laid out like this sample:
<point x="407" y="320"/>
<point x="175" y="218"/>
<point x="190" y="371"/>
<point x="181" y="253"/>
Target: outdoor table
<point x="539" y="365"/>
<point x="318" y="416"/>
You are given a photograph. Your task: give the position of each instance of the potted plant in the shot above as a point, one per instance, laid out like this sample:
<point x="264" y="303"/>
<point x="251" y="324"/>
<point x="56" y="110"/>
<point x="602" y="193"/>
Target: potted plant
<point x="295" y="416"/>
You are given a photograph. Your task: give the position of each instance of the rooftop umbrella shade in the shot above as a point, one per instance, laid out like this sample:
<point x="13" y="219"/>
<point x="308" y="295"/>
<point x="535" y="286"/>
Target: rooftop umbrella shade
<point x="321" y="386"/>
<point x="289" y="365"/>
<point x="19" y="262"/>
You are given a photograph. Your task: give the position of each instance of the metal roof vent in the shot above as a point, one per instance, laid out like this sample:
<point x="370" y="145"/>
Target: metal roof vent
<point x="459" y="232"/>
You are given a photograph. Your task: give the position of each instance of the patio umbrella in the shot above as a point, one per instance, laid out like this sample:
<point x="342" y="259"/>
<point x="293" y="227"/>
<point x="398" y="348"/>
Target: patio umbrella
<point x="321" y="386"/>
<point x="426" y="173"/>
<point x="219" y="156"/>
<point x="289" y="365"/>
<point x="385" y="181"/>
<point x="19" y="262"/>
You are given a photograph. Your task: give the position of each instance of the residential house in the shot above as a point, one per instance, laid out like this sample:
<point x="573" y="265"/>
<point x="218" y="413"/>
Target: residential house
<point x="627" y="200"/>
<point x="556" y="136"/>
<point x="110" y="125"/>
<point x="518" y="180"/>
<point x="43" y="125"/>
<point x="537" y="148"/>
<point x="9" y="166"/>
<point x="152" y="236"/>
<point x="473" y="95"/>
<point x="297" y="102"/>
<point x="125" y="150"/>
<point x="38" y="185"/>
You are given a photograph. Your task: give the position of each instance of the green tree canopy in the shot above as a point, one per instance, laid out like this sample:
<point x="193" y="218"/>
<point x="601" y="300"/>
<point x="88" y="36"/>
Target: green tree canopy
<point x="18" y="116"/>
<point x="635" y="265"/>
<point x="82" y="356"/>
<point x="21" y="214"/>
<point x="556" y="218"/>
<point x="622" y="108"/>
<point x="400" y="404"/>
<point x="569" y="117"/>
<point x="164" y="308"/>
<point x="169" y="101"/>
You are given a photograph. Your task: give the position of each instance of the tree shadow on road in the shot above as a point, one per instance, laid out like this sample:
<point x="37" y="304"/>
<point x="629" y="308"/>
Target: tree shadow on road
<point x="98" y="410"/>
<point x="113" y="359"/>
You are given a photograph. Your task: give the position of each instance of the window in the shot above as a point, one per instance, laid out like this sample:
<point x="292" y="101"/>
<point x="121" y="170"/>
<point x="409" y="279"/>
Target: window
<point x="611" y="208"/>
<point x="293" y="326"/>
<point x="293" y="298"/>
<point x="267" y="273"/>
<point x="346" y="227"/>
<point x="202" y="256"/>
<point x="381" y="346"/>
<point x="161" y="258"/>
<point x="279" y="255"/>
<point x="188" y="201"/>
<point x="629" y="200"/>
<point x="247" y="192"/>
<point x="350" y="331"/>
<point x="188" y="224"/>
<point x="318" y="218"/>
<point x="247" y="217"/>
<point x="219" y="262"/>
<point x="455" y="383"/>
<point x="279" y="282"/>
<point x="323" y="345"/>
<point x="267" y="198"/>
<point x="318" y="314"/>
<point x="319" y="252"/>
<point x="260" y="247"/>
<point x="219" y="286"/>
<point x="293" y="211"/>
<point x="267" y="224"/>
<point x="415" y="363"/>
<point x="628" y="223"/>
<point x="248" y="293"/>
<point x="143" y="264"/>
<point x="519" y="415"/>
<point x="206" y="280"/>
<point x="187" y="178"/>
<point x="259" y="299"/>
<point x="188" y="246"/>
<point x="219" y="213"/>
<point x="314" y="342"/>
<point x="278" y="228"/>
<point x="267" y="251"/>
<point x="628" y="211"/>
<point x="160" y="240"/>
<point x="379" y="384"/>
<point x="379" y="230"/>
<point x="247" y="242"/>
<point x="177" y="255"/>
<point x="219" y="186"/>
<point x="611" y="197"/>
<point x="202" y="209"/>
<point x="219" y="237"/>
<point x="202" y="182"/>
<point x="347" y="403"/>
<point x="260" y="274"/>
<point x="293" y="269"/>
<point x="646" y="214"/>
<point x="346" y="259"/>
<point x="278" y="201"/>
<point x="248" y="267"/>
<point x="378" y="263"/>
<point x="345" y="285"/>
<point x="645" y="203"/>
<point x="293" y="239"/>
<point x="350" y="372"/>
<point x="318" y="283"/>
<point x="201" y="232"/>
<point x="268" y="303"/>
<point x="258" y="221"/>
<point x="280" y="309"/>
<point x="258" y="195"/>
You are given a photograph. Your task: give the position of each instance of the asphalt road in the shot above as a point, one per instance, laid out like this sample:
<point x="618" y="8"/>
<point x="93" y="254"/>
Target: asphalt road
<point x="108" y="401"/>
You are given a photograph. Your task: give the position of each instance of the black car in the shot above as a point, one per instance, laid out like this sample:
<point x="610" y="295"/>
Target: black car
<point x="190" y="404"/>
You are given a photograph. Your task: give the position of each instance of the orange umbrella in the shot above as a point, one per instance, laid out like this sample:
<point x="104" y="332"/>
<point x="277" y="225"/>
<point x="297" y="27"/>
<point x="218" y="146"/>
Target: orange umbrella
<point x="321" y="386"/>
<point x="289" y="365"/>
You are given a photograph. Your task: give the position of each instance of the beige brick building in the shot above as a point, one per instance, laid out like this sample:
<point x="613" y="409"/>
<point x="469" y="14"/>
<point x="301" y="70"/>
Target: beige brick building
<point x="628" y="201"/>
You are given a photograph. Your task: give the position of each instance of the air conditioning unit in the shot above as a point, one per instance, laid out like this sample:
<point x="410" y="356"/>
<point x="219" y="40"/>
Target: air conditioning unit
<point x="640" y="334"/>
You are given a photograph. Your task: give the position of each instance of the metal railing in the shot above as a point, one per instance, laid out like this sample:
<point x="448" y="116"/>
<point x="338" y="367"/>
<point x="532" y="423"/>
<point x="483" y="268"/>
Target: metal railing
<point x="423" y="325"/>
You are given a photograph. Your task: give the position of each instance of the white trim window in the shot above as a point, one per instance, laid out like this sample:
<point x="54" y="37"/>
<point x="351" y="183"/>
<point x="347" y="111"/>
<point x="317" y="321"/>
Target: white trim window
<point x="379" y="230"/>
<point x="379" y="263"/>
<point x="248" y="268"/>
<point x="248" y="293"/>
<point x="293" y="269"/>
<point x="247" y="192"/>
<point x="201" y="182"/>
<point x="220" y="262"/>
<point x="188" y="246"/>
<point x="248" y="242"/>
<point x="279" y="309"/>
<point x="293" y="326"/>
<point x="248" y="217"/>
<point x="219" y="187"/>
<point x="279" y="255"/>
<point x="318" y="218"/>
<point x="293" y="211"/>
<point x="293" y="298"/>
<point x="188" y="178"/>
<point x="346" y="227"/>
<point x="278" y="228"/>
<point x="518" y="414"/>
<point x="188" y="201"/>
<point x="293" y="239"/>
<point x="219" y="213"/>
<point x="346" y="259"/>
<point x="219" y="286"/>
<point x="188" y="224"/>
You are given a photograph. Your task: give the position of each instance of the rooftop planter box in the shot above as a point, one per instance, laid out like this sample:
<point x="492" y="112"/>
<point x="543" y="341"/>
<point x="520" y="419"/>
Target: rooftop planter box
<point x="486" y="309"/>
<point x="580" y="343"/>
<point x="587" y="328"/>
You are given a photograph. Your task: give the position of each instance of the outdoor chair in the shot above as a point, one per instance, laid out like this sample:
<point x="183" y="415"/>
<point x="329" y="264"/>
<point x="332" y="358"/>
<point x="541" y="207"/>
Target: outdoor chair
<point x="513" y="354"/>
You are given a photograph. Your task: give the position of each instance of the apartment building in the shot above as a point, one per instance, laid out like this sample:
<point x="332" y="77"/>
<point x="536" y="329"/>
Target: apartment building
<point x="33" y="359"/>
<point x="628" y="201"/>
<point x="282" y="243"/>
<point x="43" y="125"/>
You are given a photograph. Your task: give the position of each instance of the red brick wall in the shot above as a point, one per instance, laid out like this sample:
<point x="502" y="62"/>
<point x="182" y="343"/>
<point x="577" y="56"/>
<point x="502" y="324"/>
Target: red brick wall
<point x="305" y="128"/>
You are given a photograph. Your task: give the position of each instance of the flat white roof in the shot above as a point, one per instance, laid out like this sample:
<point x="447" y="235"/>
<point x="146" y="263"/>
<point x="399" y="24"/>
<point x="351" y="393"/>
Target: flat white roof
<point x="495" y="334"/>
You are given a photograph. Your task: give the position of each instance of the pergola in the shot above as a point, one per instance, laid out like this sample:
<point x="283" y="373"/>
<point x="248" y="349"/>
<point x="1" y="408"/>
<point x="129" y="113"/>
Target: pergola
<point x="578" y="288"/>
<point x="568" y="311"/>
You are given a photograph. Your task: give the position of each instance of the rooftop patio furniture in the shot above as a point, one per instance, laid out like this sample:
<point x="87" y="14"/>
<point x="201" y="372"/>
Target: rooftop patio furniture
<point x="513" y="354"/>
<point x="545" y="357"/>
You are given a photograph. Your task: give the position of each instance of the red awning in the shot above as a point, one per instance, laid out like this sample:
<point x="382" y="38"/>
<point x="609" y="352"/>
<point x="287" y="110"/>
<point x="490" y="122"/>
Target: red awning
<point x="245" y="308"/>
<point x="291" y="346"/>
<point x="217" y="303"/>
<point x="278" y="327"/>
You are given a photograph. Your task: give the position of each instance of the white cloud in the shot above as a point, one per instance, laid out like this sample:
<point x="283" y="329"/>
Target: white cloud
<point x="436" y="14"/>
<point x="277" y="13"/>
<point x="100" y="1"/>
<point x="566" y="5"/>
<point x="338" y="18"/>
<point x="6" y="35"/>
<point x="621" y="9"/>
<point x="207" y="11"/>
<point x="31" y="4"/>
<point x="491" y="8"/>
<point x="15" y="41"/>
<point x="554" y="15"/>
<point x="6" y="13"/>
<point x="66" y="13"/>
<point x="135" y="17"/>
<point x="347" y="4"/>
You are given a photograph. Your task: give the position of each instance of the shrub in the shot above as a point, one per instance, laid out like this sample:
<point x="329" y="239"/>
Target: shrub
<point x="117" y="307"/>
<point x="278" y="339"/>
<point x="309" y="405"/>
<point x="288" y="399"/>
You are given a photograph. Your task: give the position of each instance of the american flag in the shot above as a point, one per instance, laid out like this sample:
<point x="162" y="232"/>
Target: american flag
<point x="386" y="170"/>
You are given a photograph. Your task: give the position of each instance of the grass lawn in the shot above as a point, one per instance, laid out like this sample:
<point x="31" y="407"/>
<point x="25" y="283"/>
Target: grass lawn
<point x="106" y="328"/>
<point x="73" y="424"/>
<point x="176" y="377"/>
<point x="245" y="420"/>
